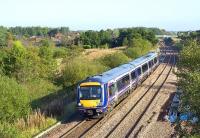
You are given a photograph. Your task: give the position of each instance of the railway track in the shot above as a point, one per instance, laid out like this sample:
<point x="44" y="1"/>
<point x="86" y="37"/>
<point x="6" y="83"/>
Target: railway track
<point x="145" y="120"/>
<point x="148" y="106"/>
<point x="115" y="130"/>
<point x="88" y="134"/>
<point x="82" y="128"/>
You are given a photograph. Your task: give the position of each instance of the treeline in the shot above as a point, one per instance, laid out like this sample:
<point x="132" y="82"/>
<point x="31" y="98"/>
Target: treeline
<point x="36" y="31"/>
<point x="189" y="35"/>
<point x="158" y="31"/>
<point x="189" y="80"/>
<point x="88" y="39"/>
<point x="115" y="38"/>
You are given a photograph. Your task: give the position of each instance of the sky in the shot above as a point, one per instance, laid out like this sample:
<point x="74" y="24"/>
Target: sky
<point x="172" y="15"/>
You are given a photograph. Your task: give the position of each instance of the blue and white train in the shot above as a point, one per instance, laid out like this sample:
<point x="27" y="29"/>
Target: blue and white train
<point x="99" y="94"/>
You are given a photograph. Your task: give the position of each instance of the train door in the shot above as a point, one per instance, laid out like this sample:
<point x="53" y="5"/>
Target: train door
<point x="113" y="95"/>
<point x="133" y="79"/>
<point x="139" y="75"/>
<point x="150" y="64"/>
<point x="144" y="71"/>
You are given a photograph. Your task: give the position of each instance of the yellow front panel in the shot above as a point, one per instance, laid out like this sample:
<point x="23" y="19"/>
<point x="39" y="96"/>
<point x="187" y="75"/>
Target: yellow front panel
<point x="90" y="84"/>
<point x="89" y="103"/>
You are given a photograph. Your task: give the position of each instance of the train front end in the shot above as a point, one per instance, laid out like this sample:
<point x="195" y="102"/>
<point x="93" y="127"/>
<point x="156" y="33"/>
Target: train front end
<point x="91" y="99"/>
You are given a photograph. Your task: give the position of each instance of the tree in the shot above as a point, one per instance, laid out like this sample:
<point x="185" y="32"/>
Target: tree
<point x="14" y="61"/>
<point x="114" y="60"/>
<point x="189" y="77"/>
<point x="125" y="41"/>
<point x="64" y="30"/>
<point x="14" y="101"/>
<point x="3" y="36"/>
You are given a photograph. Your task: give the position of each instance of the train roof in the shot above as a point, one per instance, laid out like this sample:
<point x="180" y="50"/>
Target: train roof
<point x="125" y="68"/>
<point x="143" y="59"/>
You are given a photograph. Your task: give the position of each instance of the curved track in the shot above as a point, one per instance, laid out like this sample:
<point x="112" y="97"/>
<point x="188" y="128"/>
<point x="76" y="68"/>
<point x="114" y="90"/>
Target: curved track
<point x="119" y="125"/>
<point x="86" y="128"/>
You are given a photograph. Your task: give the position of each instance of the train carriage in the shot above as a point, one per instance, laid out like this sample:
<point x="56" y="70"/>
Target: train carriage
<point x="98" y="94"/>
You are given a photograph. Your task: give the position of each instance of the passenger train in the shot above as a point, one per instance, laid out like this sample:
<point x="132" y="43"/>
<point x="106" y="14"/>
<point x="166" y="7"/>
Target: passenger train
<point x="99" y="94"/>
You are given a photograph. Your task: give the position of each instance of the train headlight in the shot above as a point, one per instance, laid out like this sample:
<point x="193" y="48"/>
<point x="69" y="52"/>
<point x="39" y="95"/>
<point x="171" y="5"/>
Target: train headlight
<point x="79" y="104"/>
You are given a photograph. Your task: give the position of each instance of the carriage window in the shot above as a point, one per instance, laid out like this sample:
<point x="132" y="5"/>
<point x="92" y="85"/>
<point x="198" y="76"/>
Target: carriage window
<point x="139" y="71"/>
<point x="150" y="63"/>
<point x="155" y="60"/>
<point x="112" y="89"/>
<point x="144" y="67"/>
<point x="123" y="82"/>
<point x="133" y="75"/>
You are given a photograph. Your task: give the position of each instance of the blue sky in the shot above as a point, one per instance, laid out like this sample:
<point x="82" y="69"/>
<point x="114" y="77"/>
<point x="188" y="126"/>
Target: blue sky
<point x="172" y="15"/>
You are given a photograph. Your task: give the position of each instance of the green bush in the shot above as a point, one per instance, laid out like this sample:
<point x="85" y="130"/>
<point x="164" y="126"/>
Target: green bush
<point x="39" y="88"/>
<point x="25" y="64"/>
<point x="87" y="46"/>
<point x="14" y="101"/>
<point x="75" y="51"/>
<point x="8" y="130"/>
<point x="133" y="52"/>
<point x="138" y="47"/>
<point x="114" y="60"/>
<point x="79" y="68"/>
<point x="60" y="52"/>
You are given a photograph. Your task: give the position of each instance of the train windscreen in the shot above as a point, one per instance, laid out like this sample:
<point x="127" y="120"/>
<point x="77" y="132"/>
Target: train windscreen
<point x="90" y="92"/>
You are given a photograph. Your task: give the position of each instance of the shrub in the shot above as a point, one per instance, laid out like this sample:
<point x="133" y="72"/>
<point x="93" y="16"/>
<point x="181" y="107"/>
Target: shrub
<point x="25" y="64"/>
<point x="79" y="68"/>
<point x="8" y="130"/>
<point x="138" y="47"/>
<point x="14" y="101"/>
<point x="14" y="60"/>
<point x="39" y="88"/>
<point x="60" y="52"/>
<point x="114" y="60"/>
<point x="87" y="46"/>
<point x="133" y="52"/>
<point x="75" y="50"/>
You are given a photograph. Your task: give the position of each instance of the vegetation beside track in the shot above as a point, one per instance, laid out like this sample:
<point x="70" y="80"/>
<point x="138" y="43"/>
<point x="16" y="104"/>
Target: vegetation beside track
<point x="189" y="81"/>
<point x="38" y="82"/>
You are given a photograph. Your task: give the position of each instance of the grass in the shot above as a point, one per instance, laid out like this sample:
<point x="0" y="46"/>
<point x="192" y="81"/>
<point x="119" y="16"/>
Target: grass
<point x="33" y="124"/>
<point x="26" y="127"/>
<point x="92" y="54"/>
